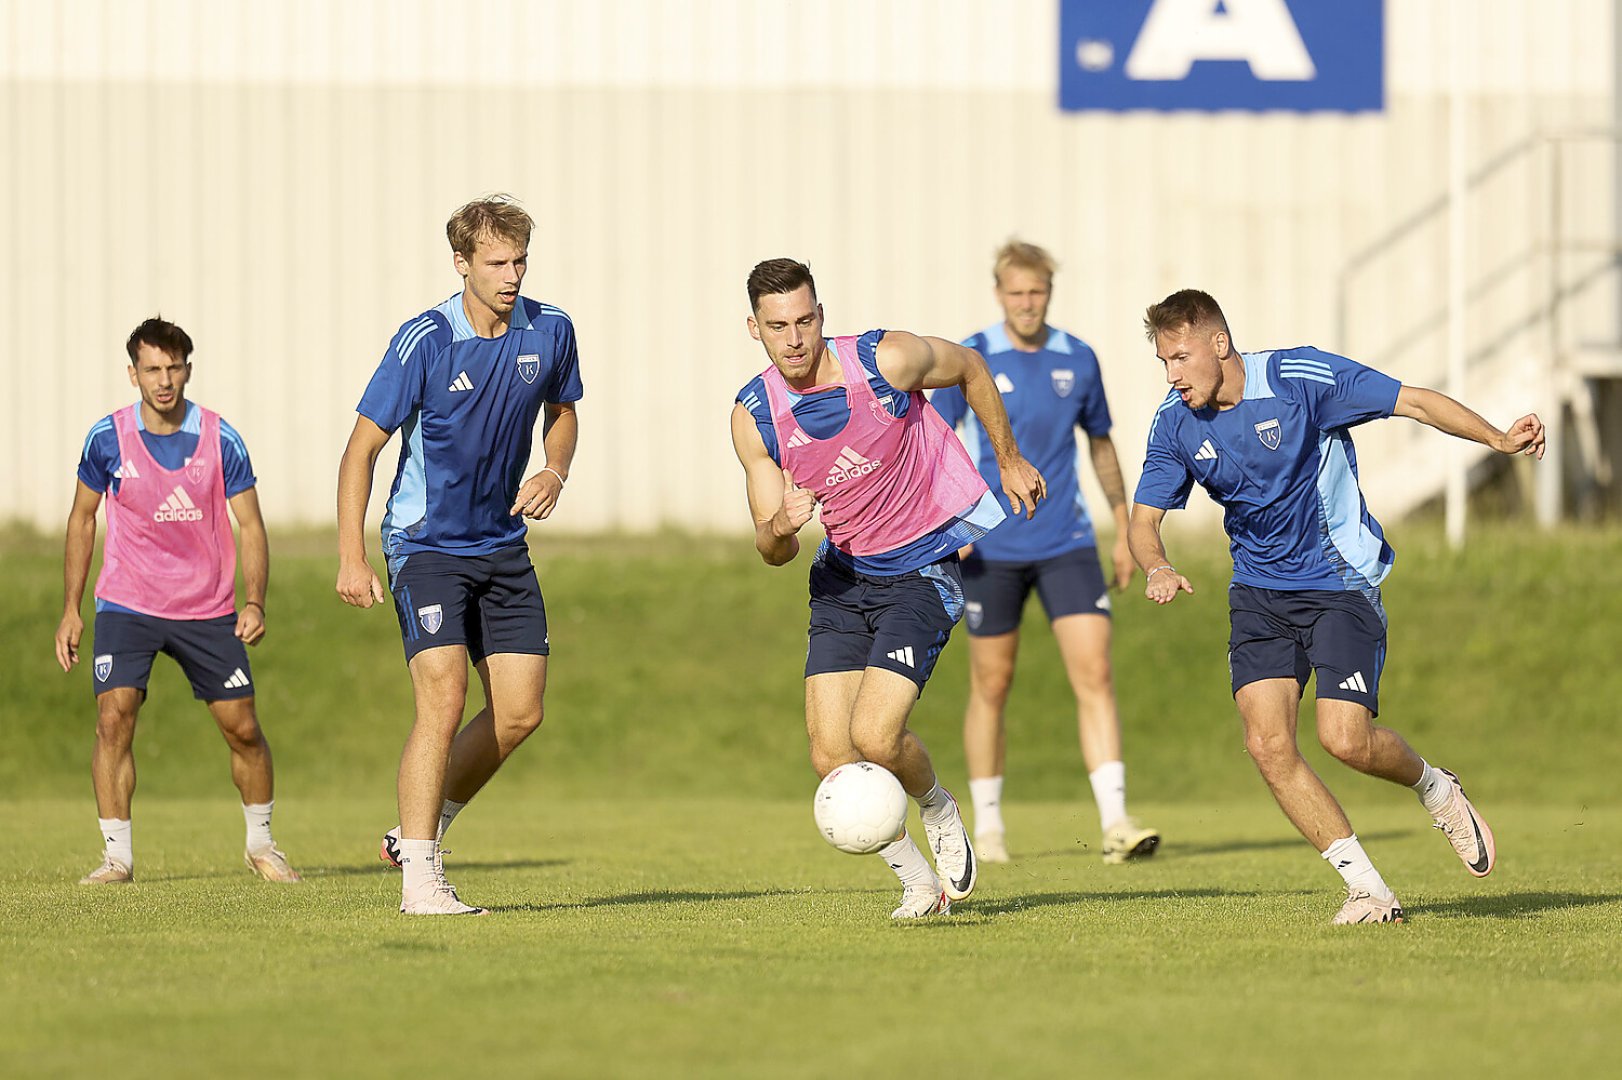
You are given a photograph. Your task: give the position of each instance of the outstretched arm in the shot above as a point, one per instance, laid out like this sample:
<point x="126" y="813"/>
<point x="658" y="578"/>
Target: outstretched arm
<point x="909" y="362"/>
<point x="1107" y="467"/>
<point x="357" y="581"/>
<point x="1525" y="436"/>
<point x="76" y="551"/>
<point x="1144" y="536"/>
<point x="779" y="506"/>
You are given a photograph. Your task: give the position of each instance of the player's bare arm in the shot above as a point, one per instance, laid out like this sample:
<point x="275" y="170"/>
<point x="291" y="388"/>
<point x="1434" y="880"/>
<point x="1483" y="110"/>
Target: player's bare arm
<point x="910" y="362"/>
<point x="1437" y="410"/>
<point x="1107" y="467"/>
<point x="780" y="507"/>
<point x="1143" y="535"/>
<point x="253" y="556"/>
<point x="561" y="433"/>
<point x="76" y="551"/>
<point x="357" y="581"/>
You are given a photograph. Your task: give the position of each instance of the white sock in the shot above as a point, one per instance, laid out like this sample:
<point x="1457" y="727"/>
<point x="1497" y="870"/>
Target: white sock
<point x="1347" y="857"/>
<point x="1109" y="792"/>
<point x="447" y="814"/>
<point x="417" y="863"/>
<point x="257" y="816"/>
<point x="1433" y="787"/>
<point x="935" y="802"/>
<point x="986" y="794"/>
<point x="115" y="834"/>
<point x="908" y="862"/>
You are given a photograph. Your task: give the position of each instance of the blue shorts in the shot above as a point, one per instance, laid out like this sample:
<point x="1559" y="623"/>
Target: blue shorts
<point x="1068" y="584"/>
<point x="1280" y="635"/>
<point x="208" y="651"/>
<point x="899" y="623"/>
<point x="489" y="603"/>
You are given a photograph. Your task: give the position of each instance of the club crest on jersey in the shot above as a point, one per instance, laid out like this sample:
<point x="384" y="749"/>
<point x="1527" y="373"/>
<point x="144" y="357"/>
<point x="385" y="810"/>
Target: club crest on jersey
<point x="432" y="617"/>
<point x="104" y="667"/>
<point x="1268" y="432"/>
<point x="195" y="469"/>
<point x="529" y="366"/>
<point x="976" y="613"/>
<point x="1064" y="381"/>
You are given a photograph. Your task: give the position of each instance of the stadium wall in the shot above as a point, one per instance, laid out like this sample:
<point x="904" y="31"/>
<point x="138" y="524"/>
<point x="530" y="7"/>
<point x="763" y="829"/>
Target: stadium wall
<point x="276" y="178"/>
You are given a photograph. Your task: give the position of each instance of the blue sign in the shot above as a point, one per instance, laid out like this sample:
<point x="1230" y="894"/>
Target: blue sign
<point x="1209" y="55"/>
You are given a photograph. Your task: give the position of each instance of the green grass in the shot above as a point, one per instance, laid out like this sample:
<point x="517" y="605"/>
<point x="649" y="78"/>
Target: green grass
<point x="664" y="906"/>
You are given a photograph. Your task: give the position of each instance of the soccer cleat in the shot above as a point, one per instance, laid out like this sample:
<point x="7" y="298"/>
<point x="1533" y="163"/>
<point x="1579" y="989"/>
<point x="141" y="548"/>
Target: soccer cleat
<point x="389" y="849"/>
<point x="271" y="865"/>
<point x="1465" y="830"/>
<point x="991" y="846"/>
<point x="1362" y="907"/>
<point x="1126" y="839"/>
<point x="436" y="898"/>
<point x="110" y="872"/>
<point x="954" y="855"/>
<point x="921" y="901"/>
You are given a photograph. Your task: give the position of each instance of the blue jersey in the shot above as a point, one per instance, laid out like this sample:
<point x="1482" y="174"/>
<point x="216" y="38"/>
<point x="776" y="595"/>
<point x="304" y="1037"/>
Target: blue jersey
<point x="101" y="470"/>
<point x="1048" y="394"/>
<point x="465" y="407"/>
<point x="1281" y="464"/>
<point x="823" y="413"/>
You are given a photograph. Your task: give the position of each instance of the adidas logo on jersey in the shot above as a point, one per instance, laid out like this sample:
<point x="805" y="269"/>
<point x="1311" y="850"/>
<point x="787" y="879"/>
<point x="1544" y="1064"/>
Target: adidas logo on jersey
<point x="902" y="655"/>
<point x="850" y="465"/>
<point x="1004" y="383"/>
<point x="178" y="507"/>
<point x="1206" y="452"/>
<point x="126" y="470"/>
<point x="237" y="681"/>
<point x="797" y="438"/>
<point x="1355" y="683"/>
<point x="460" y="383"/>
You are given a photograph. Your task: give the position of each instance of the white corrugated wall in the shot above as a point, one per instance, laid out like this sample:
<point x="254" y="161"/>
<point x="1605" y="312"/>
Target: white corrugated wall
<point x="276" y="177"/>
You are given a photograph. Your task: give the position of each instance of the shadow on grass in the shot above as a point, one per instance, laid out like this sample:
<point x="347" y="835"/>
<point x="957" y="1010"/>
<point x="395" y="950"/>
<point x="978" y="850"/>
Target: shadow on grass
<point x="1514" y="905"/>
<point x="1177" y="849"/>
<point x="1030" y="901"/>
<point x="640" y="898"/>
<point x="365" y="869"/>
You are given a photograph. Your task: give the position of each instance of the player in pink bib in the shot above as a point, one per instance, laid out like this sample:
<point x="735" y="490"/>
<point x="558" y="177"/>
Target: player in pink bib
<point x="841" y="425"/>
<point x="169" y="470"/>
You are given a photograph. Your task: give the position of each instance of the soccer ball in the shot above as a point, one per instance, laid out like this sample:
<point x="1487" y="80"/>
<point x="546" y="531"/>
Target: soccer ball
<point x="860" y="807"/>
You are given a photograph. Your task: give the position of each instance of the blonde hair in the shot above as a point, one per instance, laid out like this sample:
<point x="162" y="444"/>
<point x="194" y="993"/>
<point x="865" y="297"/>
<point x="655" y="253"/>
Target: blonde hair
<point x="1184" y="309"/>
<point x="1018" y="253"/>
<point x="493" y="217"/>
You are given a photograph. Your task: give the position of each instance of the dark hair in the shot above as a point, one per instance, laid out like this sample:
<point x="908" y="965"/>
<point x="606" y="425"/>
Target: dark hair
<point x="778" y="276"/>
<point x="1186" y="308"/>
<point x="160" y="334"/>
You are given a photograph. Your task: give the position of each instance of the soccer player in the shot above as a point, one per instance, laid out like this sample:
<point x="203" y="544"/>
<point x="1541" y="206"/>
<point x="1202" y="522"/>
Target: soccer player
<point x="841" y="424"/>
<point x="1267" y="435"/>
<point x="1051" y="386"/>
<point x="463" y="383"/>
<point x="169" y="468"/>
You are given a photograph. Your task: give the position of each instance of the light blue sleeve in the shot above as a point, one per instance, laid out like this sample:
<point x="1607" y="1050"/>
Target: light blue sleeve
<point x="1165" y="481"/>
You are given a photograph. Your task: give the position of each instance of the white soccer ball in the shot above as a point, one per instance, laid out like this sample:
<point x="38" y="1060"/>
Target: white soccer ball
<point x="860" y="807"/>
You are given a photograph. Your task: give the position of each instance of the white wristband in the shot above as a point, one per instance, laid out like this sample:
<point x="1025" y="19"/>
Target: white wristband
<point x="1164" y="566"/>
<point x="554" y="472"/>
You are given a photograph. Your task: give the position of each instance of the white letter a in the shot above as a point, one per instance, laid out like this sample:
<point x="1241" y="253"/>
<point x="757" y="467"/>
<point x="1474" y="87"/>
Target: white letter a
<point x="1259" y="32"/>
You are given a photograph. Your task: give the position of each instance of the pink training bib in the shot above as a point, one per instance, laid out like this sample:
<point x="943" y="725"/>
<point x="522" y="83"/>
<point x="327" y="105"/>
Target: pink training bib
<point x="169" y="549"/>
<point x="884" y="480"/>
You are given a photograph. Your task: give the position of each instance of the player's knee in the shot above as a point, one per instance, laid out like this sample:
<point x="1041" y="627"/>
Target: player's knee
<point x="992" y="685"/>
<point x="879" y="748"/>
<point x="115" y="722"/>
<point x="825" y="759"/>
<point x="1348" y="745"/>
<point x="1271" y="750"/>
<point x="519" y="724"/>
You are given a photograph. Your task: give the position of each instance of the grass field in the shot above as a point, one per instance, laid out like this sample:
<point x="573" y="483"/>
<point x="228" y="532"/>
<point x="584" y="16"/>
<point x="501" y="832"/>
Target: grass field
<point x="664" y="907"/>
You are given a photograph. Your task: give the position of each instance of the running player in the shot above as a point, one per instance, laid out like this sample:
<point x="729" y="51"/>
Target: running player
<point x="464" y="383"/>
<point x="169" y="468"/>
<point x="1051" y="386"/>
<point x="1267" y="435"/>
<point x="841" y="424"/>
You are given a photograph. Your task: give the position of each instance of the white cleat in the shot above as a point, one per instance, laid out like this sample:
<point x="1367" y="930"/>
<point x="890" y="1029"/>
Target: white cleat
<point x="110" y="872"/>
<point x="272" y="865"/>
<point x="922" y="901"/>
<point x="1126" y="839"/>
<point x="1466" y="830"/>
<point x="436" y="898"/>
<point x="991" y="846"/>
<point x="1361" y="907"/>
<point x="954" y="855"/>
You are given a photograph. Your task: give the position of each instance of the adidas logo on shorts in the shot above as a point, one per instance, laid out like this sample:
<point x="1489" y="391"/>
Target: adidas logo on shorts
<point x="1355" y="683"/>
<point x="902" y="655"/>
<point x="237" y="681"/>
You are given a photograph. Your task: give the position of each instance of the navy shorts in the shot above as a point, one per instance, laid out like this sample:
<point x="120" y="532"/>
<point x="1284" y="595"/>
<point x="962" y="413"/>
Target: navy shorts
<point x="898" y="623"/>
<point x="208" y="650"/>
<point x="1068" y="584"/>
<point x="1279" y="635"/>
<point x="489" y="603"/>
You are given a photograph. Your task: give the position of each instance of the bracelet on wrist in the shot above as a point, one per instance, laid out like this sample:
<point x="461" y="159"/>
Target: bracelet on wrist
<point x="1162" y="566"/>
<point x="254" y="603"/>
<point x="561" y="478"/>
